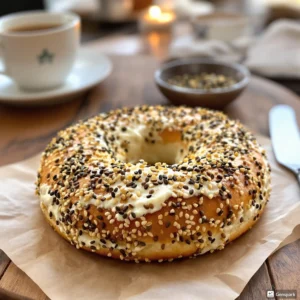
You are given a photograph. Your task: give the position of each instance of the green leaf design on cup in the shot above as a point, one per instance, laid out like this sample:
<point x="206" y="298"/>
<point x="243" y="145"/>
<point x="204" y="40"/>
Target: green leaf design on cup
<point x="45" y="57"/>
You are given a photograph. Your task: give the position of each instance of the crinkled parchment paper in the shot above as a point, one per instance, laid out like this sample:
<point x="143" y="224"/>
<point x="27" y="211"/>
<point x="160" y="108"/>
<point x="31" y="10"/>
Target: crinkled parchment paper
<point x="63" y="272"/>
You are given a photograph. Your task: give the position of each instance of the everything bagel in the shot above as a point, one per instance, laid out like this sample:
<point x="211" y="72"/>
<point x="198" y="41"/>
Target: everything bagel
<point x="153" y="183"/>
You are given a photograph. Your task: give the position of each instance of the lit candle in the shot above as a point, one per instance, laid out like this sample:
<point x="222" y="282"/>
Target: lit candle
<point x="156" y="19"/>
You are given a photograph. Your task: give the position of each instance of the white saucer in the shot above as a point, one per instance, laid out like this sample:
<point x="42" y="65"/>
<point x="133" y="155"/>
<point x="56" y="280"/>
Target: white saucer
<point x="90" y="69"/>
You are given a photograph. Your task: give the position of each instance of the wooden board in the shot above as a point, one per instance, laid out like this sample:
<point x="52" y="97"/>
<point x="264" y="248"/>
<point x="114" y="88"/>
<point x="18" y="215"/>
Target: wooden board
<point x="25" y="131"/>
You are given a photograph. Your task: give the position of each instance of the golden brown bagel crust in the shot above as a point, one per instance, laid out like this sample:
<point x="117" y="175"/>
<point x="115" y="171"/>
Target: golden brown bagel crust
<point x="98" y="193"/>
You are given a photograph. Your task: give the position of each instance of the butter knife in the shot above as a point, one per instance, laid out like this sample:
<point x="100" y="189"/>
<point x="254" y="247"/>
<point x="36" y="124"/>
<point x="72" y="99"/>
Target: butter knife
<point x="285" y="137"/>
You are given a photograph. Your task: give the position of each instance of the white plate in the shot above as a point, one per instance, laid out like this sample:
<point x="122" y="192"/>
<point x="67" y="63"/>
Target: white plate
<point x="90" y="68"/>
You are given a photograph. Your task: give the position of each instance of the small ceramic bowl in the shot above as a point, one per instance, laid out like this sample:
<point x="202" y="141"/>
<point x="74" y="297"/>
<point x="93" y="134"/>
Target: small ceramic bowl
<point x="215" y="98"/>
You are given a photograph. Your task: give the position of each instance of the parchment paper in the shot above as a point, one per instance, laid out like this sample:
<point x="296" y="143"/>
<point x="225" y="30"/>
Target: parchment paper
<point x="63" y="272"/>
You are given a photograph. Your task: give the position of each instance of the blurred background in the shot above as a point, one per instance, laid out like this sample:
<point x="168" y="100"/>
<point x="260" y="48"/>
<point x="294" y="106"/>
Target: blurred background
<point x="106" y="17"/>
<point x="166" y="29"/>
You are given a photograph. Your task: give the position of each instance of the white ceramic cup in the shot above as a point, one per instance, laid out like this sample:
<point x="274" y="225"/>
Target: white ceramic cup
<point x="40" y="59"/>
<point x="220" y="26"/>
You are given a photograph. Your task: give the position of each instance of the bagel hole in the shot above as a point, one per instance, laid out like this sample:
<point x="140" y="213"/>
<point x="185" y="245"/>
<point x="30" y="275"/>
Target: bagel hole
<point x="166" y="147"/>
<point x="161" y="152"/>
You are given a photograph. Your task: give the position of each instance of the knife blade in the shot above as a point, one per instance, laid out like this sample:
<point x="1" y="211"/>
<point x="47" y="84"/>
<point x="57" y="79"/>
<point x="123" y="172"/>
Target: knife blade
<point x="285" y="137"/>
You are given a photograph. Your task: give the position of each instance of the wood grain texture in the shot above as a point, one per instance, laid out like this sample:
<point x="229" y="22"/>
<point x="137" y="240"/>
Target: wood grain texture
<point x="257" y="286"/>
<point x="15" y="281"/>
<point x="26" y="131"/>
<point x="285" y="267"/>
<point x="4" y="262"/>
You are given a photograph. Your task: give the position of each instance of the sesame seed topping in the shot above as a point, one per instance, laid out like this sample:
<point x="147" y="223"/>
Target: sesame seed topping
<point x="99" y="189"/>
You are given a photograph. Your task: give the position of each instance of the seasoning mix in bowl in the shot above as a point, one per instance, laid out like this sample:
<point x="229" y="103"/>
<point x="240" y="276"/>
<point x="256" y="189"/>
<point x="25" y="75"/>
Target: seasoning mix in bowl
<point x="198" y="82"/>
<point x="203" y="81"/>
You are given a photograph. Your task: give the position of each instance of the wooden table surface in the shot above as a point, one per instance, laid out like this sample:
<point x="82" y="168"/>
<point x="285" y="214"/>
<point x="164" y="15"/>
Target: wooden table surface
<point x="25" y="131"/>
